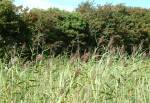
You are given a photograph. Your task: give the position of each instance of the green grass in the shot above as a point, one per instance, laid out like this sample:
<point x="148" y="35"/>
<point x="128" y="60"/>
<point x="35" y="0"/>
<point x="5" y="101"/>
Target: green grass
<point x="112" y="79"/>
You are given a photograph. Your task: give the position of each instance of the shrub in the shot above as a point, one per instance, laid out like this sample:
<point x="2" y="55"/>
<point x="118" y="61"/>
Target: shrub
<point x="125" y="25"/>
<point x="13" y="30"/>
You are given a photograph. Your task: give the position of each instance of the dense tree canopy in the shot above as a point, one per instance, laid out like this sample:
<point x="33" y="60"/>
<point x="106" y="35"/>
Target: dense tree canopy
<point x="12" y="27"/>
<point x="88" y="27"/>
<point x="129" y="26"/>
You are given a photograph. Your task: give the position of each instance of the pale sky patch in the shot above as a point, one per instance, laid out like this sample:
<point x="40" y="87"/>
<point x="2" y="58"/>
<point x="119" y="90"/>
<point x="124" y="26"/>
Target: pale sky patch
<point x="70" y="5"/>
<point x="42" y="4"/>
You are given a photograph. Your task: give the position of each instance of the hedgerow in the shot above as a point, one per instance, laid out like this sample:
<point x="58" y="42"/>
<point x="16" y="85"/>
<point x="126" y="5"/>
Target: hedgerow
<point x="38" y="31"/>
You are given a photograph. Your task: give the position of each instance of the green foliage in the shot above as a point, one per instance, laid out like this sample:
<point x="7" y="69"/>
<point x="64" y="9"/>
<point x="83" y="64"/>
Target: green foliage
<point x="8" y="23"/>
<point x="123" y="25"/>
<point x="12" y="27"/>
<point x="14" y="30"/>
<point x="88" y="27"/>
<point x="74" y="28"/>
<point x="57" y="29"/>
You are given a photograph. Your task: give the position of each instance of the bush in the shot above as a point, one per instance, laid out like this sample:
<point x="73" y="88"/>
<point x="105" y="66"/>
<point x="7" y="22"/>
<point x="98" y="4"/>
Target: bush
<point x="58" y="29"/>
<point x="13" y="29"/>
<point x="118" y="25"/>
<point x="44" y="31"/>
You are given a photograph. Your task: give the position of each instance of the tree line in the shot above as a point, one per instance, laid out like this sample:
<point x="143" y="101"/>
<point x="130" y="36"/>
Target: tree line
<point x="36" y="31"/>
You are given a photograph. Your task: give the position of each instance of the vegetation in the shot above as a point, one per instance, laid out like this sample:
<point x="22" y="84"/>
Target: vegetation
<point x="117" y="25"/>
<point x="89" y="27"/>
<point x="113" y="78"/>
<point x="93" y="54"/>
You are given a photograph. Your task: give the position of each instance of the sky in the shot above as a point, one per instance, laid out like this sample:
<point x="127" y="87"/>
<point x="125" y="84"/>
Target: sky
<point x="70" y="5"/>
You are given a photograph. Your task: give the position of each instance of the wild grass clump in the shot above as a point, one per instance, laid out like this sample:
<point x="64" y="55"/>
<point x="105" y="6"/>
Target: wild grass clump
<point x="111" y="79"/>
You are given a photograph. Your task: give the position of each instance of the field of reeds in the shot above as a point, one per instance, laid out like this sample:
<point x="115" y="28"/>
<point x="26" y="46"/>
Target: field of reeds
<point x="112" y="78"/>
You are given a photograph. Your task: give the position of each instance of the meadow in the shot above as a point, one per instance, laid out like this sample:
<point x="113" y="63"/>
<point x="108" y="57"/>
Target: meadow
<point x="109" y="79"/>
